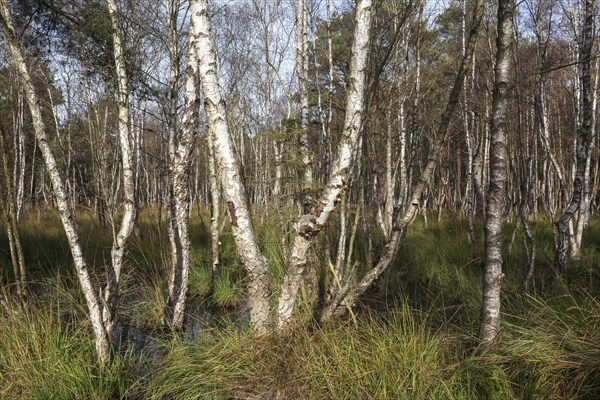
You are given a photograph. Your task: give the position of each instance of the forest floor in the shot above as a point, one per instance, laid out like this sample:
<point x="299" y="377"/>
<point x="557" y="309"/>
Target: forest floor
<point x="413" y="337"/>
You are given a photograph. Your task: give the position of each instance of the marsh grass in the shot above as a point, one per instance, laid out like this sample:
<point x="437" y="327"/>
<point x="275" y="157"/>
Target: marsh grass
<point x="414" y="339"/>
<point x="394" y="356"/>
<point x="227" y="290"/>
<point x="47" y="352"/>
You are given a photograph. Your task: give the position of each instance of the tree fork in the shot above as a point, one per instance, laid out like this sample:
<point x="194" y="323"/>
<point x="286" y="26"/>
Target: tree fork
<point x="399" y="228"/>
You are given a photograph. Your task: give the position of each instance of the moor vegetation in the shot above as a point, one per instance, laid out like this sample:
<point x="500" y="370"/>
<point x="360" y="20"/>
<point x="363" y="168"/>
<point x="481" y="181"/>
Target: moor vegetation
<point x="299" y="199"/>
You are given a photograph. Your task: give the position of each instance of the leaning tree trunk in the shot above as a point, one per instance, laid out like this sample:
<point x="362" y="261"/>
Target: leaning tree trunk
<point x="494" y="221"/>
<point x="399" y="228"/>
<point x="66" y="212"/>
<point x="259" y="276"/>
<point x="309" y="225"/>
<point x="178" y="283"/>
<point x="583" y="139"/>
<point x="111" y="291"/>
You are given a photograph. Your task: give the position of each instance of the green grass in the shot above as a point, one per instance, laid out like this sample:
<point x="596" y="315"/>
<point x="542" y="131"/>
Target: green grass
<point x="227" y="290"/>
<point x="414" y="338"/>
<point x="395" y="356"/>
<point x="44" y="357"/>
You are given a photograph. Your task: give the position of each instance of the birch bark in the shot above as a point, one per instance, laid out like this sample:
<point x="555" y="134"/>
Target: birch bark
<point x="111" y="292"/>
<point x="181" y="186"/>
<point x="585" y="203"/>
<point x="259" y="276"/>
<point x="302" y="71"/>
<point x="399" y="228"/>
<point x="583" y="138"/>
<point x="310" y="224"/>
<point x="492" y="281"/>
<point x="102" y="339"/>
<point x="9" y="207"/>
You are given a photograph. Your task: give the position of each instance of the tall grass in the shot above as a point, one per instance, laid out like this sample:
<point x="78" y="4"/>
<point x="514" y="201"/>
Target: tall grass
<point x="47" y="352"/>
<point x="414" y="338"/>
<point x="383" y="357"/>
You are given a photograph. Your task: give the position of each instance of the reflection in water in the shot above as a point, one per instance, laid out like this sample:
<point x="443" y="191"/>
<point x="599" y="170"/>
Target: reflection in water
<point x="199" y="321"/>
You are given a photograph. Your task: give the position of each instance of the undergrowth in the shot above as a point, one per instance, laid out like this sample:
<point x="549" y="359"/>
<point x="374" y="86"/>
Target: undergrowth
<point x="414" y="339"/>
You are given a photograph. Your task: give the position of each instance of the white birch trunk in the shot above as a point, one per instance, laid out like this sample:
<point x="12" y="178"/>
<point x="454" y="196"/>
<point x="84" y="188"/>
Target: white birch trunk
<point x="310" y="224"/>
<point x="93" y="302"/>
<point x="215" y="206"/>
<point x="259" y="276"/>
<point x="400" y="228"/>
<point x="584" y="206"/>
<point x="9" y="208"/>
<point x="182" y="161"/>
<point x="582" y="141"/>
<point x="492" y="281"/>
<point x="111" y="292"/>
<point x="302" y="71"/>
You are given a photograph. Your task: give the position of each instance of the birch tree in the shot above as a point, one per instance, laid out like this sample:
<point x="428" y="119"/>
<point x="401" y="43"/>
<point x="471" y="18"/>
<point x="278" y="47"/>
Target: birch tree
<point x="494" y="221"/>
<point x="310" y="224"/>
<point x="9" y="208"/>
<point x="129" y="204"/>
<point x="93" y="301"/>
<point x="178" y="282"/>
<point x="228" y="167"/>
<point x="583" y="137"/>
<point x="346" y="299"/>
<point x="302" y="71"/>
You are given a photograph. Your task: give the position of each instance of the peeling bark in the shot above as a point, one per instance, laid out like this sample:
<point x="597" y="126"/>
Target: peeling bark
<point x="121" y="237"/>
<point x="583" y="139"/>
<point x="310" y="224"/>
<point x="399" y="228"/>
<point x="302" y="71"/>
<point x="182" y="162"/>
<point x="259" y="276"/>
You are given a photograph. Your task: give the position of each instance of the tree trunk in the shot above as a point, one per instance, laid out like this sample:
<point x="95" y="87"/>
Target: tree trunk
<point x="111" y="291"/>
<point x="399" y="228"/>
<point x="302" y="71"/>
<point x="94" y="305"/>
<point x="494" y="221"/>
<point x="215" y="206"/>
<point x="178" y="283"/>
<point x="585" y="203"/>
<point x="310" y="224"/>
<point x="583" y="139"/>
<point x="259" y="276"/>
<point x="9" y="208"/>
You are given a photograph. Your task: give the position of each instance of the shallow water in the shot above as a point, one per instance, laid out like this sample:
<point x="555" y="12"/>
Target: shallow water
<point x="198" y="325"/>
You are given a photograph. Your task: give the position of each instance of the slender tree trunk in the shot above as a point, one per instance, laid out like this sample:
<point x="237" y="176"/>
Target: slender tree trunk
<point x="178" y="283"/>
<point x="171" y="106"/>
<point x="468" y="133"/>
<point x="399" y="228"/>
<point x="583" y="139"/>
<point x="9" y="207"/>
<point x="585" y="203"/>
<point x="215" y="206"/>
<point x="495" y="217"/>
<point x="111" y="292"/>
<point x="311" y="224"/>
<point x="302" y="71"/>
<point x="94" y="304"/>
<point x="259" y="276"/>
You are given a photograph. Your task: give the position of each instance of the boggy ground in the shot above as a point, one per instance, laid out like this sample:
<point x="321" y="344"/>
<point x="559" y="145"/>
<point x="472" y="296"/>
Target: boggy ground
<point x="413" y="338"/>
